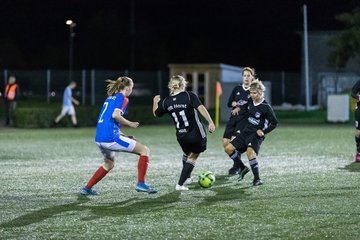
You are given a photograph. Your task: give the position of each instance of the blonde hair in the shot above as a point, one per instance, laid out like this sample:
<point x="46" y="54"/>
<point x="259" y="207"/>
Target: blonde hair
<point x="258" y="86"/>
<point x="176" y="82"/>
<point x="115" y="86"/>
<point x="251" y="70"/>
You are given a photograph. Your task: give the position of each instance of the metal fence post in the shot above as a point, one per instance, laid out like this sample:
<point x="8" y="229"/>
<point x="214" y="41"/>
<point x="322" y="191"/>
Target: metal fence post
<point x="83" y="83"/>
<point x="48" y="82"/>
<point x="5" y="76"/>
<point x="92" y="87"/>
<point x="283" y="86"/>
<point x="159" y="82"/>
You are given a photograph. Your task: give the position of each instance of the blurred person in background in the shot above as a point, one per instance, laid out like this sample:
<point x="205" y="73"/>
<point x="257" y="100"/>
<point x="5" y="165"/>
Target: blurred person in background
<point x="67" y="105"/>
<point x="11" y="95"/>
<point x="355" y="93"/>
<point x="238" y="102"/>
<point x="183" y="106"/>
<point x="261" y="120"/>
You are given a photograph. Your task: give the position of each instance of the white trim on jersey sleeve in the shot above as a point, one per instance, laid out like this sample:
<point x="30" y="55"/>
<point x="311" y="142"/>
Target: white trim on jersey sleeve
<point x="121" y="111"/>
<point x="200" y="126"/>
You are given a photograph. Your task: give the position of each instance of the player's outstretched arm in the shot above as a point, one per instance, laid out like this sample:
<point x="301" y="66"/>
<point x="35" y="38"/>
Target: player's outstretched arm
<point x="204" y="112"/>
<point x="75" y="101"/>
<point x="123" y="121"/>
<point x="156" y="101"/>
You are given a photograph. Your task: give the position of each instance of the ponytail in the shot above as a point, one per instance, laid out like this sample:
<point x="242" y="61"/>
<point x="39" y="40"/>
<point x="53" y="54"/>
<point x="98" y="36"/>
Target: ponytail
<point x="115" y="86"/>
<point x="176" y="82"/>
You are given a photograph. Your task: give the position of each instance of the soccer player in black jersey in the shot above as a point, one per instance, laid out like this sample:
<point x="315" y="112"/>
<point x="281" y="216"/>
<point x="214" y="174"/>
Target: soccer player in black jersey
<point x="238" y="102"/>
<point x="355" y="93"/>
<point x="261" y="120"/>
<point x="183" y="107"/>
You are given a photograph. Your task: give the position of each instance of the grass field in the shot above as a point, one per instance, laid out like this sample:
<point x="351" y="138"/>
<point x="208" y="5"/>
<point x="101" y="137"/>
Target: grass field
<point x="311" y="188"/>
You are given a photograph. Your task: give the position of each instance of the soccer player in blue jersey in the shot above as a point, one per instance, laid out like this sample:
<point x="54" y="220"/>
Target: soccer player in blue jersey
<point x="238" y="102"/>
<point x="183" y="106"/>
<point x="355" y="94"/>
<point x="110" y="139"/>
<point x="261" y="120"/>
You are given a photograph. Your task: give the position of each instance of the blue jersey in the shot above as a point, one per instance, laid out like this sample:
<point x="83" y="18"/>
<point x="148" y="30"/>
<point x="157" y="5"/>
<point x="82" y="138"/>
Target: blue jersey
<point x="67" y="96"/>
<point x="108" y="129"/>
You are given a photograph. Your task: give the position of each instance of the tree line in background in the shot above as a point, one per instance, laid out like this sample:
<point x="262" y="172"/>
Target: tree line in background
<point x="346" y="44"/>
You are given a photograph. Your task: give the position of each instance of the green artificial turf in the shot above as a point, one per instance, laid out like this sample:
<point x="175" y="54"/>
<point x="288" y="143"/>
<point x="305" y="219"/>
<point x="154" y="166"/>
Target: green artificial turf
<point x="311" y="188"/>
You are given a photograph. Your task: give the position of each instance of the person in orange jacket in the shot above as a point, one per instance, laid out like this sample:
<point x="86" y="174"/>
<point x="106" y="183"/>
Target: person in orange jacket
<point x="11" y="94"/>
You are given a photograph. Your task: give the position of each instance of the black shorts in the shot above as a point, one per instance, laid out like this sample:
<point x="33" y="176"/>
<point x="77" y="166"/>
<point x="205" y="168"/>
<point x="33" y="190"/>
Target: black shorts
<point x="241" y="142"/>
<point x="234" y="126"/>
<point x="193" y="147"/>
<point x="357" y="117"/>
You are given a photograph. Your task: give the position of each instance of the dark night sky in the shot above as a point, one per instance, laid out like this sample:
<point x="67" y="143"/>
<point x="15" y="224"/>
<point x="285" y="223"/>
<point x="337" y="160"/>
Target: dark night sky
<point x="262" y="34"/>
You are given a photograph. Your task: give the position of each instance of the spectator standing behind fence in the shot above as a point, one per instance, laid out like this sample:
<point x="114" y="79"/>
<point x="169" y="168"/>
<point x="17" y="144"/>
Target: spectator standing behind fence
<point x="11" y="94"/>
<point x="67" y="106"/>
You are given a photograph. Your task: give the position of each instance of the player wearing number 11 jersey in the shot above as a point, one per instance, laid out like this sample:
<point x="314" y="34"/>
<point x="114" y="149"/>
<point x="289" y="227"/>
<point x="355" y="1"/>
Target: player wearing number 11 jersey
<point x="183" y="107"/>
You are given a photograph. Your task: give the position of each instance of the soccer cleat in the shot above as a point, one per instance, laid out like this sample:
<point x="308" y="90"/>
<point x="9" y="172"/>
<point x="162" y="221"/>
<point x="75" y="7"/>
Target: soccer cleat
<point x="188" y="180"/>
<point x="234" y="170"/>
<point x="143" y="187"/>
<point x="257" y="182"/>
<point x="357" y="157"/>
<point x="88" y="191"/>
<point x="242" y="173"/>
<point x="181" y="187"/>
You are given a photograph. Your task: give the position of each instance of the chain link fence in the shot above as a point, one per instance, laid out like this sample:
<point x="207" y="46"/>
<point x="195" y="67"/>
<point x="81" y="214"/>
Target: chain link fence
<point x="47" y="86"/>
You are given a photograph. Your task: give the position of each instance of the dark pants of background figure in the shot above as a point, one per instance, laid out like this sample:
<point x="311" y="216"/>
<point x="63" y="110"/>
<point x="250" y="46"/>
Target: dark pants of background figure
<point x="9" y="114"/>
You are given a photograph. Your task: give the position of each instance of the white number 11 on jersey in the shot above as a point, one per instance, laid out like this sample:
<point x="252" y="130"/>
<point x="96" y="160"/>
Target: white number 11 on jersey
<point x="183" y="116"/>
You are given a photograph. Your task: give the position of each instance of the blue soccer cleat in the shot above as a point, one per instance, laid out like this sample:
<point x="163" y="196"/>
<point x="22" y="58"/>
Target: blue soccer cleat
<point x="143" y="187"/>
<point x="88" y="191"/>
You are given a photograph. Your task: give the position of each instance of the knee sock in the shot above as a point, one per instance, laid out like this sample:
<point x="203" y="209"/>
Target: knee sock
<point x="235" y="156"/>
<point x="188" y="166"/>
<point x="143" y="164"/>
<point x="255" y="168"/>
<point x="97" y="176"/>
<point x="184" y="159"/>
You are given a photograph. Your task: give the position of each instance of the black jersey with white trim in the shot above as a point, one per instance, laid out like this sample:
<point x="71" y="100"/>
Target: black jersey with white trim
<point x="355" y="91"/>
<point x="260" y="116"/>
<point x="241" y="96"/>
<point x="182" y="108"/>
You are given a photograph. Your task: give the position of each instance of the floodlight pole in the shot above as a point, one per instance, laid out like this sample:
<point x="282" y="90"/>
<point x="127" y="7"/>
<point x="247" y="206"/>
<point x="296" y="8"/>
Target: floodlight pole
<point x="72" y="25"/>
<point x="306" y="61"/>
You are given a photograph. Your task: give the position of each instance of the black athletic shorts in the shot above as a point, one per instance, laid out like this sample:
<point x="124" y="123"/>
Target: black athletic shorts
<point x="242" y="141"/>
<point x="234" y="126"/>
<point x="357" y="117"/>
<point x="193" y="147"/>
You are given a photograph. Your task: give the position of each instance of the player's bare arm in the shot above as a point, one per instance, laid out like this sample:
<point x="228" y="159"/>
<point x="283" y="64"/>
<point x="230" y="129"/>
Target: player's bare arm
<point x="235" y="111"/>
<point x="204" y="112"/>
<point x="123" y="121"/>
<point x="260" y="133"/>
<point x="75" y="101"/>
<point x="156" y="100"/>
